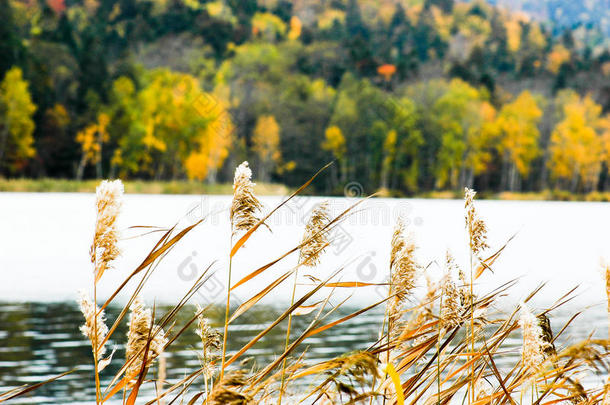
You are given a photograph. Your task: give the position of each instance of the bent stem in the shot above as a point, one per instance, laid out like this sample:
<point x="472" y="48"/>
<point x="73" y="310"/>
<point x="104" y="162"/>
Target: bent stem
<point x="472" y="394"/>
<point x="387" y="315"/>
<point x="98" y="392"/>
<point x="226" y="326"/>
<point x="294" y="288"/>
<point x="438" y="353"/>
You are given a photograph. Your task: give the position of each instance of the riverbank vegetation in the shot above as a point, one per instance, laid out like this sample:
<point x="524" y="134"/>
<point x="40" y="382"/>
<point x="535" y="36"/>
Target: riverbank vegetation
<point x="270" y="189"/>
<point x="411" y="96"/>
<point x="132" y="187"/>
<point x="446" y="345"/>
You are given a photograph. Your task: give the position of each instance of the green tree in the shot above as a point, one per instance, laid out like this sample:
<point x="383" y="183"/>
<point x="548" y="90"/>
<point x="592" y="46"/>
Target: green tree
<point x="9" y="40"/>
<point x="458" y="118"/>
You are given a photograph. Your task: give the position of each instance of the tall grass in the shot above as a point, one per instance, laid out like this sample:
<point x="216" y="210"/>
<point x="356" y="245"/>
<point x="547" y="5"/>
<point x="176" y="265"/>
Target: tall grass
<point x="441" y="348"/>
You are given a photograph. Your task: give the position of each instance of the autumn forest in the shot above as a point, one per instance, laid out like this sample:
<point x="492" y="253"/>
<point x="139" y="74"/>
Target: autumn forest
<point x="405" y="96"/>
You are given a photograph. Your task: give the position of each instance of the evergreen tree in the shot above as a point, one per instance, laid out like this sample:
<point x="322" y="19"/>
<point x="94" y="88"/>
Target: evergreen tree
<point x="9" y="40"/>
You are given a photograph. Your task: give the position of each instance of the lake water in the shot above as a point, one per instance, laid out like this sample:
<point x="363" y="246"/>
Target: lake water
<point x="44" y="261"/>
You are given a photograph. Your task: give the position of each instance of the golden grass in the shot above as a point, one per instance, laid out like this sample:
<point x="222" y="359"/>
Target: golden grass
<point x="438" y="349"/>
<point x="133" y="187"/>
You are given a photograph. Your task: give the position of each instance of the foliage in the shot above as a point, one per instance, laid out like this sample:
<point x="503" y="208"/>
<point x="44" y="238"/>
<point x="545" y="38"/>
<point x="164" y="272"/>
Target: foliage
<point x="266" y="143"/>
<point x="428" y="95"/>
<point x="16" y="123"/>
<point x="579" y="144"/>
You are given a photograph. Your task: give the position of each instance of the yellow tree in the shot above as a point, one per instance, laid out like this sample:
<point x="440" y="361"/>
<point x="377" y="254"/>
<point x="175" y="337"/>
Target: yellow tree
<point x="334" y="142"/>
<point x="170" y="127"/>
<point x="578" y="145"/>
<point x="213" y="144"/>
<point x="480" y="139"/>
<point x="517" y="127"/>
<point x="91" y="140"/>
<point x="266" y="144"/>
<point x="16" y="124"/>
<point x="389" y="148"/>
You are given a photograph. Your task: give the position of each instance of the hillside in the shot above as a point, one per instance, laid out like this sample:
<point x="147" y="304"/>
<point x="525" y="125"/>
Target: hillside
<point x="406" y="96"/>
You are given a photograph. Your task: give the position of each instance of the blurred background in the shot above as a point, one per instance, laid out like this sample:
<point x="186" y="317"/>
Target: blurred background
<point x="409" y="97"/>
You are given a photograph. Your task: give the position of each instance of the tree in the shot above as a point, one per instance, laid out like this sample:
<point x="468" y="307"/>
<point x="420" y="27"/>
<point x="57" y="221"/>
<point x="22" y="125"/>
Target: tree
<point x="266" y="145"/>
<point x="9" y="41"/>
<point x="517" y="126"/>
<point x="334" y="142"/>
<point x="91" y="140"/>
<point x="578" y="145"/>
<point x="458" y="120"/>
<point x="168" y="122"/>
<point x="16" y="123"/>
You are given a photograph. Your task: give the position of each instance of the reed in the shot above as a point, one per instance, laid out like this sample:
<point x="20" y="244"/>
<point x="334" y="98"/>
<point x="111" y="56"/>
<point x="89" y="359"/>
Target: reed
<point x="445" y="346"/>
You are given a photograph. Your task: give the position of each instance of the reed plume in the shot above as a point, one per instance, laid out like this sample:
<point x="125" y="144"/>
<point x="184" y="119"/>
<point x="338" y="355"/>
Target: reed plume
<point x="451" y="307"/>
<point x="95" y="326"/>
<point x="315" y="241"/>
<point x="227" y="391"/>
<point x="315" y="238"/>
<point x="534" y="344"/>
<point x="210" y="340"/>
<point x="245" y="205"/>
<point x="403" y="270"/>
<point x="243" y="217"/>
<point x="477" y="230"/>
<point x="141" y="330"/>
<point x="104" y="249"/>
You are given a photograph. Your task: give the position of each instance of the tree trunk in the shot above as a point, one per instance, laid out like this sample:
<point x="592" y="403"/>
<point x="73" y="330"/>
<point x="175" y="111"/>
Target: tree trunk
<point x="81" y="167"/>
<point x="3" y="140"/>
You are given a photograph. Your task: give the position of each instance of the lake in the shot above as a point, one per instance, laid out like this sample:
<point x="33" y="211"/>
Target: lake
<point x="44" y="261"/>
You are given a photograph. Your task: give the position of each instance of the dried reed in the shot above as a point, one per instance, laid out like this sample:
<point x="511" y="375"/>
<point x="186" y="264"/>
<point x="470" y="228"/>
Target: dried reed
<point x="428" y="346"/>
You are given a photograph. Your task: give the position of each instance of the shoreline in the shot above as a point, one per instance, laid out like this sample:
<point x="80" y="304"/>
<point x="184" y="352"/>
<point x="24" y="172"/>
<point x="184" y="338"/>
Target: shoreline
<point x="187" y="187"/>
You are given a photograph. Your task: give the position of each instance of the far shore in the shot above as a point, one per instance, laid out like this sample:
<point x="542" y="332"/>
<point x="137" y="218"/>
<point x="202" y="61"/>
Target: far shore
<point x="268" y="189"/>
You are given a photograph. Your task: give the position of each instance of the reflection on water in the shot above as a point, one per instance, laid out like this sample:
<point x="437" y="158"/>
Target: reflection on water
<point x="39" y="340"/>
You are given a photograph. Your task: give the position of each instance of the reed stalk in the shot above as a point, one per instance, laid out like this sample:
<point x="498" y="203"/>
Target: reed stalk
<point x="423" y="347"/>
<point x="226" y="323"/>
<point x="315" y="241"/>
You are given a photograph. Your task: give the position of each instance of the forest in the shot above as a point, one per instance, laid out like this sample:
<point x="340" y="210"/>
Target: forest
<point x="405" y="96"/>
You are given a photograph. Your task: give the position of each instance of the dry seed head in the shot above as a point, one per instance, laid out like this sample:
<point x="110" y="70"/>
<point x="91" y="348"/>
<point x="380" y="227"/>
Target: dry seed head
<point x="315" y="238"/>
<point x="534" y="346"/>
<point x="245" y="204"/>
<point x="209" y="336"/>
<point x="104" y="249"/>
<point x="451" y="308"/>
<point x="93" y="325"/>
<point x="210" y="340"/>
<point x="403" y="269"/>
<point x="404" y="272"/>
<point x="398" y="240"/>
<point x="226" y="391"/>
<point x="477" y="230"/>
<point x="140" y="329"/>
